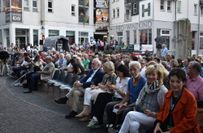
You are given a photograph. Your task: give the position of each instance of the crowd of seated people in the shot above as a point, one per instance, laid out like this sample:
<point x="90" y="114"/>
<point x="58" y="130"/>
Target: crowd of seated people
<point x="123" y="92"/>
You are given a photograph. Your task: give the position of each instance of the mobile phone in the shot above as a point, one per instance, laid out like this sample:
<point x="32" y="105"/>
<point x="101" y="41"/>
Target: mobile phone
<point x="115" y="110"/>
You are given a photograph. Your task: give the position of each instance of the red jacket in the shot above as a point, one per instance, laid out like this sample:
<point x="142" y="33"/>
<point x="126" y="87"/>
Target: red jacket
<point x="184" y="113"/>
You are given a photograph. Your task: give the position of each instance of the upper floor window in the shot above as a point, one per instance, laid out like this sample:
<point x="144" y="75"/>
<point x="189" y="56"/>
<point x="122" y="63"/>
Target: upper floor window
<point x="50" y="6"/>
<point x="162" y="5"/>
<point x="73" y="10"/>
<point x="26" y="5"/>
<point x="114" y="13"/>
<point x="168" y="5"/>
<point x="178" y="8"/>
<point x="134" y="8"/>
<point x="201" y="10"/>
<point x="195" y="9"/>
<point x="34" y="6"/>
<point x="118" y="12"/>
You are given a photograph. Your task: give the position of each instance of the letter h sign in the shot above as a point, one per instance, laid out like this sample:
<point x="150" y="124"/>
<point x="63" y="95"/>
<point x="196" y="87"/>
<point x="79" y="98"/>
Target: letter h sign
<point x="148" y="10"/>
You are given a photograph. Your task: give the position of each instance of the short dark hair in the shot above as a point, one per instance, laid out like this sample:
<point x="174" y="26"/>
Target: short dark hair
<point x="179" y="73"/>
<point x="196" y="66"/>
<point x="122" y="68"/>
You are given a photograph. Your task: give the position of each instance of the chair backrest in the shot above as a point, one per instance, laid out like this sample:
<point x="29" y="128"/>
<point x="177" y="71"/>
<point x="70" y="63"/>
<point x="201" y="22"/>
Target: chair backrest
<point x="56" y="74"/>
<point x="68" y="79"/>
<point x="61" y="76"/>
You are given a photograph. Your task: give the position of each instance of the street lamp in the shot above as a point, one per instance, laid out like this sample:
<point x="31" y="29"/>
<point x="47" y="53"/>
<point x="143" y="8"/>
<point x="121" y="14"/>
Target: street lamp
<point x="199" y="14"/>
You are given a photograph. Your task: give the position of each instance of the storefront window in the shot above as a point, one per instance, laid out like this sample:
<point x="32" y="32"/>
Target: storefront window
<point x="83" y="38"/>
<point x="53" y="33"/>
<point x="201" y="40"/>
<point x="71" y="36"/>
<point x="120" y="37"/>
<point x="146" y="36"/>
<point x="35" y="37"/>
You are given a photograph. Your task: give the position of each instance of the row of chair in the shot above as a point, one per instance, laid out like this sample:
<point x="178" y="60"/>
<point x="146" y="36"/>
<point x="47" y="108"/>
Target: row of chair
<point x="63" y="80"/>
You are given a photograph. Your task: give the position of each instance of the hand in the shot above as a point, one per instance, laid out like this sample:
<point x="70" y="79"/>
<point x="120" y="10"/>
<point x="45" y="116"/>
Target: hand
<point x="149" y="113"/>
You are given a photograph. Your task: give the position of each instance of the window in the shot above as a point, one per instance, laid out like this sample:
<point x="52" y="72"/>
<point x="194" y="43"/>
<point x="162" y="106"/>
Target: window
<point x="201" y="10"/>
<point x="50" y="6"/>
<point x="118" y="13"/>
<point x="146" y="36"/>
<point x="35" y="37"/>
<point x="162" y="5"/>
<point x="135" y="36"/>
<point x="127" y="37"/>
<point x="135" y="8"/>
<point x="201" y="40"/>
<point x="71" y="37"/>
<point x="114" y="13"/>
<point x="195" y="9"/>
<point x="120" y="37"/>
<point x="34" y="6"/>
<point x="73" y="10"/>
<point x="26" y="5"/>
<point x="83" y="38"/>
<point x="168" y="5"/>
<point x="53" y="33"/>
<point x="178" y="8"/>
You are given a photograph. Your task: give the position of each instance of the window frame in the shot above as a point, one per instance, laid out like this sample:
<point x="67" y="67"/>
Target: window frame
<point x="73" y="12"/>
<point x="50" y="9"/>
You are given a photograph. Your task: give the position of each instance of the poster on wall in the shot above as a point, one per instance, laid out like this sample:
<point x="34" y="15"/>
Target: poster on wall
<point x="102" y="3"/>
<point x="83" y="15"/>
<point x="13" y="10"/>
<point x="84" y="2"/>
<point x="102" y="15"/>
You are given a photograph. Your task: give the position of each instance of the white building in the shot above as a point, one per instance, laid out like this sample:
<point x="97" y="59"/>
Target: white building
<point x="141" y="21"/>
<point x="28" y="21"/>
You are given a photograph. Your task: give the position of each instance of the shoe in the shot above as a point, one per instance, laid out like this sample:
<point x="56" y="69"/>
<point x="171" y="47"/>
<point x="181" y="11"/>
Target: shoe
<point x="94" y="124"/>
<point x="27" y="91"/>
<point x="62" y="100"/>
<point x="18" y="85"/>
<point x="84" y="119"/>
<point x="71" y="115"/>
<point x="81" y="115"/>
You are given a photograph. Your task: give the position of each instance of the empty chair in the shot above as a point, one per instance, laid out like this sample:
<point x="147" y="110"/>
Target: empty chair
<point x="61" y="79"/>
<point x="55" y="77"/>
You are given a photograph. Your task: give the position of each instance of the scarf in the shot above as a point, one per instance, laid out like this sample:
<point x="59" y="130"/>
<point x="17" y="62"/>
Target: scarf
<point x="147" y="89"/>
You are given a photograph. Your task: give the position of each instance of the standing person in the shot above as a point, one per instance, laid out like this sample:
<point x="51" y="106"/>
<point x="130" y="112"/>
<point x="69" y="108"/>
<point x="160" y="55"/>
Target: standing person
<point x="164" y="51"/>
<point x="148" y="103"/>
<point x="178" y="114"/>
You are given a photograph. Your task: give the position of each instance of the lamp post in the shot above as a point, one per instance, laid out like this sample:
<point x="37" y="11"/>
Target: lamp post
<point x="198" y="28"/>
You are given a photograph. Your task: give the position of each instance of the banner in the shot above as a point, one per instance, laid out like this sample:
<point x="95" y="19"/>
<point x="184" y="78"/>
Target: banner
<point x="102" y="15"/>
<point x="13" y="10"/>
<point x="102" y="3"/>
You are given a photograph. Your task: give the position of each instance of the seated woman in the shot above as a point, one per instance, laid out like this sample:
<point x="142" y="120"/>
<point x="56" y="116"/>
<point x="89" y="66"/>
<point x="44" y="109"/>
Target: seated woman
<point x="178" y="114"/>
<point x="92" y="92"/>
<point x="135" y="84"/>
<point x="149" y="102"/>
<point x="115" y="93"/>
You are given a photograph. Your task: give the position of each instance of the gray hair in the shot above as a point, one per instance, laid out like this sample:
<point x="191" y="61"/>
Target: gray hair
<point x="135" y="63"/>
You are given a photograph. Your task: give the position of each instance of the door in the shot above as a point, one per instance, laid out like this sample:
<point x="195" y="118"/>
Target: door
<point x="21" y="42"/>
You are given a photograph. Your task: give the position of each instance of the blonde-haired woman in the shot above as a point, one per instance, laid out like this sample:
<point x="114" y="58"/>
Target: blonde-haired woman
<point x="149" y="102"/>
<point x="92" y="92"/>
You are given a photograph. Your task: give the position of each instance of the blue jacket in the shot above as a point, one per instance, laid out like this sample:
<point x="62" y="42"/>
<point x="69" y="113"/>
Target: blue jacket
<point x="97" y="78"/>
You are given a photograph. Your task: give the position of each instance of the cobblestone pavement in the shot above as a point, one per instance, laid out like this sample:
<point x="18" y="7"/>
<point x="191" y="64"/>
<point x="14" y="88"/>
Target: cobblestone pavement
<point x="35" y="113"/>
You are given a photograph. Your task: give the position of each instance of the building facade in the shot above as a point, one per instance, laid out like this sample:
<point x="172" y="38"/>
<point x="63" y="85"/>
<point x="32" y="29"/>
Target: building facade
<point x="140" y="22"/>
<point x="25" y="22"/>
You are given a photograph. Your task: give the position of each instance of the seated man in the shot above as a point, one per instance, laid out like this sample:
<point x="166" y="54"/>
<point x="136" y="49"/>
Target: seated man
<point x="195" y="81"/>
<point x="45" y="74"/>
<point x="94" y="77"/>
